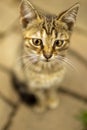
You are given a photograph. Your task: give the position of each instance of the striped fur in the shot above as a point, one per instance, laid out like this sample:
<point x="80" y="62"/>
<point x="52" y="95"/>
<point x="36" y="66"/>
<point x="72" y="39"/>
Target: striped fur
<point x="46" y="41"/>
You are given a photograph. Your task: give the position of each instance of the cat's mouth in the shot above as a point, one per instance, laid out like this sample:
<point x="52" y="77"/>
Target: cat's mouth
<point x="46" y="60"/>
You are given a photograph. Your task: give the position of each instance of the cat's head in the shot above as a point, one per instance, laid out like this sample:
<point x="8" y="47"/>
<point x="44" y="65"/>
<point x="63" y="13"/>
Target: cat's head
<point x="46" y="37"/>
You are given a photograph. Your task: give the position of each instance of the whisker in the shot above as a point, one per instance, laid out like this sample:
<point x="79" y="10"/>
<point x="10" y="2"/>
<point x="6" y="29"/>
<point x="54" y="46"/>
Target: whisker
<point x="21" y="57"/>
<point x="30" y="62"/>
<point x="67" y="61"/>
<point x="27" y="65"/>
<point x="70" y="62"/>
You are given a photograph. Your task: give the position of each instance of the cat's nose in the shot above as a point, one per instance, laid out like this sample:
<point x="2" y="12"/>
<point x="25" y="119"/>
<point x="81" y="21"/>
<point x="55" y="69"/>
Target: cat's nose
<point x="47" y="55"/>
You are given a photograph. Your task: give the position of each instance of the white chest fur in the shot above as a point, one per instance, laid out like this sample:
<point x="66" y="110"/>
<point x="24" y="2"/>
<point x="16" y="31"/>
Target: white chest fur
<point x="44" y="80"/>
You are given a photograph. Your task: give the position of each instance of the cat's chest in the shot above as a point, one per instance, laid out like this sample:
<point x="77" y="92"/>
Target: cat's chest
<point x="45" y="80"/>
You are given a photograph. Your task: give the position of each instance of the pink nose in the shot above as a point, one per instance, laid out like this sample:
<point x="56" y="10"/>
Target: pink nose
<point x="47" y="55"/>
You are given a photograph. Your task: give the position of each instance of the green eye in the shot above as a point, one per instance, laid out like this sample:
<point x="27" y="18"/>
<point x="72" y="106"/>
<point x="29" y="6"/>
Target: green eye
<point x="37" y="42"/>
<point x="58" y="43"/>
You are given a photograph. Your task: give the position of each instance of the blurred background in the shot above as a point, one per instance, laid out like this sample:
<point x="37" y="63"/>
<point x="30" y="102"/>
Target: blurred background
<point x="15" y="114"/>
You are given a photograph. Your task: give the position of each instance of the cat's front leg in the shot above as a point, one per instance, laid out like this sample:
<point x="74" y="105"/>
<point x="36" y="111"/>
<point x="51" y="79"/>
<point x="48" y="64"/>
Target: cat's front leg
<point x="52" y="99"/>
<point x="40" y="106"/>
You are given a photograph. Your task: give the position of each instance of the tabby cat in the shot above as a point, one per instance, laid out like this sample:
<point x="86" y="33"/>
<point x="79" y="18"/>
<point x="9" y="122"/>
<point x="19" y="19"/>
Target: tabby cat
<point x="46" y="40"/>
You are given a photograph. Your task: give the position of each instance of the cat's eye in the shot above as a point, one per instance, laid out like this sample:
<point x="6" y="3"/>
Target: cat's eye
<point x="58" y="43"/>
<point x="37" y="42"/>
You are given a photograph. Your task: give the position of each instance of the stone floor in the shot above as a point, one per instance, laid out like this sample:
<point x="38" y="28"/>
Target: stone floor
<point x="15" y="114"/>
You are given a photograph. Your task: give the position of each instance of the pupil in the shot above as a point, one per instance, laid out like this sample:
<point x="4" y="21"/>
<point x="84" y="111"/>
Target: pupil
<point x="37" y="41"/>
<point x="58" y="43"/>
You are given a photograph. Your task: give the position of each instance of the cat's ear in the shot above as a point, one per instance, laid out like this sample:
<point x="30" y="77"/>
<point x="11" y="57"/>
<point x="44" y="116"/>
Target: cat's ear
<point x="28" y="13"/>
<point x="69" y="16"/>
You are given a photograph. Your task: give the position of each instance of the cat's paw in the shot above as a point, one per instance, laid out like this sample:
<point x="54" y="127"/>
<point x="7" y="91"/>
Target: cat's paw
<point x="52" y="103"/>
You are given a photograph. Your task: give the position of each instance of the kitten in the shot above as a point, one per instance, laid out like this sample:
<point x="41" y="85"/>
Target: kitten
<point x="43" y="52"/>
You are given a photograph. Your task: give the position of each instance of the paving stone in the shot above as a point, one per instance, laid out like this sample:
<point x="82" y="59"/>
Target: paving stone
<point x="79" y="43"/>
<point x="8" y="49"/>
<point x="63" y="118"/>
<point x="5" y="111"/>
<point x="6" y="88"/>
<point x="8" y="15"/>
<point x="76" y="76"/>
